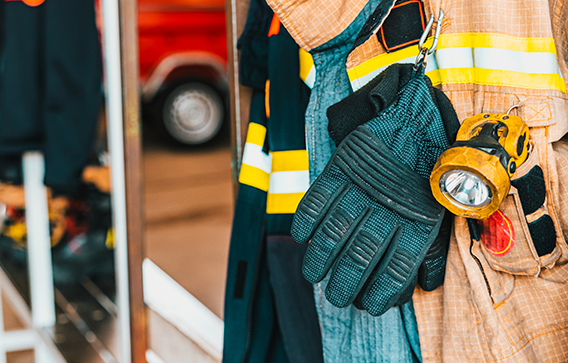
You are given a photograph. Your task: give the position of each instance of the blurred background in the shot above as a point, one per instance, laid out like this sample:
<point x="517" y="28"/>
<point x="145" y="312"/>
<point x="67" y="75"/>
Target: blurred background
<point x="52" y="93"/>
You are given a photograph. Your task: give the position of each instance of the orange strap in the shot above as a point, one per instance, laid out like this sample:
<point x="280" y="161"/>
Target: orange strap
<point x="274" y="26"/>
<point x="32" y="3"/>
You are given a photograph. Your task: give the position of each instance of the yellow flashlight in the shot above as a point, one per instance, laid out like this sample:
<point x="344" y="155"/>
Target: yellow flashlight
<point x="472" y="177"/>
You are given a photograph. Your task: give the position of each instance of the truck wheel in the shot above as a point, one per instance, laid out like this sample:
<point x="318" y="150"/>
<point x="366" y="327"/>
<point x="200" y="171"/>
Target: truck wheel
<point x="193" y="113"/>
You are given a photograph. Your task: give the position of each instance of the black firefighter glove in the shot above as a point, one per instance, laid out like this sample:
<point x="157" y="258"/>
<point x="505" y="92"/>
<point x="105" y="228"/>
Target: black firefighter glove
<point x="363" y="105"/>
<point x="370" y="216"/>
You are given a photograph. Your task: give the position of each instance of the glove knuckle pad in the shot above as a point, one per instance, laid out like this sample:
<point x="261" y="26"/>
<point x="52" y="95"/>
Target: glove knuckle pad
<point x="369" y="164"/>
<point x="391" y="282"/>
<point x="326" y="245"/>
<point x="315" y="202"/>
<point x="337" y="225"/>
<point x="400" y="266"/>
<point x="313" y="208"/>
<point x="350" y="273"/>
<point x="437" y="249"/>
<point x="363" y="248"/>
<point x="353" y="268"/>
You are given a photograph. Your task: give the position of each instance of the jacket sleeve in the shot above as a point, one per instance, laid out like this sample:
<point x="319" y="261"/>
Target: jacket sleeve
<point x="559" y="25"/>
<point x="314" y="22"/>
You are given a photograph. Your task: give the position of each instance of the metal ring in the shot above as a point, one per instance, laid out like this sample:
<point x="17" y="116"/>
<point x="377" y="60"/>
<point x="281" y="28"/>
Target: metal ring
<point x="511" y="109"/>
<point x="421" y="58"/>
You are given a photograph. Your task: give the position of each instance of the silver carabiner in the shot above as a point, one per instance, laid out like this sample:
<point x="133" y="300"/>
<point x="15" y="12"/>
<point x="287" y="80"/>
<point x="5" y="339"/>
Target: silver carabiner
<point x="436" y="34"/>
<point x="424" y="51"/>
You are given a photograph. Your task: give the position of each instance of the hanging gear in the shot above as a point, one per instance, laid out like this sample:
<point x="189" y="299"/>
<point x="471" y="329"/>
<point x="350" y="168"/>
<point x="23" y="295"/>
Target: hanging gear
<point x="490" y="56"/>
<point x="360" y="107"/>
<point x="270" y="313"/>
<point x="370" y="215"/>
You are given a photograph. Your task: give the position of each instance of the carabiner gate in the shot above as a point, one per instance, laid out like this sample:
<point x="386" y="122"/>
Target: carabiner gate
<point x="424" y="51"/>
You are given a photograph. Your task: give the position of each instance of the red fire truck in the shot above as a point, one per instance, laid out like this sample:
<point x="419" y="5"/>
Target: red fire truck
<point x="183" y="57"/>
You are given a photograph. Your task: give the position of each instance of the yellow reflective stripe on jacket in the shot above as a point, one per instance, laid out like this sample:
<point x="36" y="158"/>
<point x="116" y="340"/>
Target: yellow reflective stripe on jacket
<point x="283" y="174"/>
<point x="307" y="68"/>
<point x="256" y="165"/>
<point x="256" y="134"/>
<point x="289" y="181"/>
<point x="497" y="41"/>
<point x="366" y="71"/>
<point x="493" y="77"/>
<point x="473" y="58"/>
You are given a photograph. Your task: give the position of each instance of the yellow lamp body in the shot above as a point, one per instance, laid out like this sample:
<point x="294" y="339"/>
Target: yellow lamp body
<point x="489" y="146"/>
<point x="514" y="137"/>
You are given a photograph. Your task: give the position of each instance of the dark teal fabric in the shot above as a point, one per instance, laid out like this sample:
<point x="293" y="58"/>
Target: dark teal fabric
<point x="253" y="46"/>
<point x="269" y="308"/>
<point x="288" y="100"/>
<point x="350" y="335"/>
<point x="289" y="95"/>
<point x="249" y="314"/>
<point x="294" y="302"/>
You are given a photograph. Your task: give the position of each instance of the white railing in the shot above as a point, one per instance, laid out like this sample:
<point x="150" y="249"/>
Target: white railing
<point x="41" y="317"/>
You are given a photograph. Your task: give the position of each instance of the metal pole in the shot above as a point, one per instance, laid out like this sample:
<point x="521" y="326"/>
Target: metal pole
<point x="39" y="245"/>
<point x="113" y="78"/>
<point x="236" y="13"/>
<point x="134" y="177"/>
<point x="123" y="117"/>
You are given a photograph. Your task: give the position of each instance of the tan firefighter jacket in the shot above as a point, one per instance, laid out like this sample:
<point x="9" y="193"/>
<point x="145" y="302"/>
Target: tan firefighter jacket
<point x="492" y="55"/>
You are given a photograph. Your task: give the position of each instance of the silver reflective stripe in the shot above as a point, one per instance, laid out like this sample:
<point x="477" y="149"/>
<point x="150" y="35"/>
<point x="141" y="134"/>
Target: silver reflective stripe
<point x="499" y="59"/>
<point x="254" y="156"/>
<point x="289" y="182"/>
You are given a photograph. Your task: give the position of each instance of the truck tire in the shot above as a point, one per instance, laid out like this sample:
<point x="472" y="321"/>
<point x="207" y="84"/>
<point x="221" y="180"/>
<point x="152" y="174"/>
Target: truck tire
<point x="193" y="113"/>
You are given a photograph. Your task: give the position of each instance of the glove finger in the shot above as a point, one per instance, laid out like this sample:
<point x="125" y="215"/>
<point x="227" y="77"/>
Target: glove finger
<point x="396" y="272"/>
<point x="314" y="206"/>
<point x="406" y="295"/>
<point x="357" y="261"/>
<point x="327" y="243"/>
<point x="433" y="269"/>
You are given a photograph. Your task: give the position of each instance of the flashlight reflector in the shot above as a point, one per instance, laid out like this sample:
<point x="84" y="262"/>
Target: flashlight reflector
<point x="465" y="189"/>
<point x="469" y="182"/>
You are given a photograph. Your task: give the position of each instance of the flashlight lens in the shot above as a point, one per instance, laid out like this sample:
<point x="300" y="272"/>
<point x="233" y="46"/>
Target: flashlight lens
<point x="465" y="188"/>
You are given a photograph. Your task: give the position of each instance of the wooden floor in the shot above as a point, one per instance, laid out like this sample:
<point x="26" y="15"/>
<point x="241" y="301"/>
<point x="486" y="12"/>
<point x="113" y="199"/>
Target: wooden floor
<point x="189" y="209"/>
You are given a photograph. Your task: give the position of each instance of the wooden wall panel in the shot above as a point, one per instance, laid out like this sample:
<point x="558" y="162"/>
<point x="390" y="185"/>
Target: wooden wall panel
<point x="236" y="11"/>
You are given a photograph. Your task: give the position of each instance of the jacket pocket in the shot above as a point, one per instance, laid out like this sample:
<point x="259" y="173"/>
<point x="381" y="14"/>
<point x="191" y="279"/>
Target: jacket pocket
<point x="488" y="285"/>
<point x="534" y="244"/>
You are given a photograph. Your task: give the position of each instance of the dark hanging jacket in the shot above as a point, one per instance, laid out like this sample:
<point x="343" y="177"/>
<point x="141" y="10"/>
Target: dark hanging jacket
<point x="269" y="308"/>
